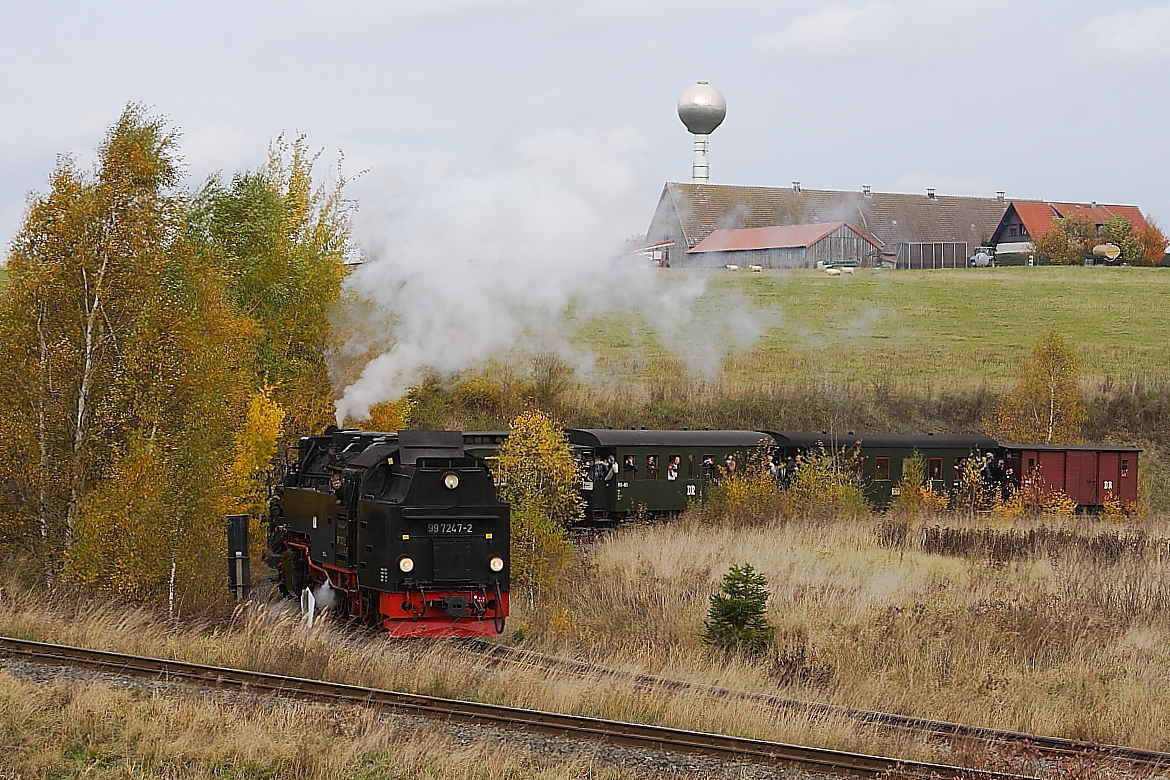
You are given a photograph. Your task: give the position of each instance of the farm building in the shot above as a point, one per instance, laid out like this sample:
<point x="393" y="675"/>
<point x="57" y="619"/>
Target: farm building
<point x="1025" y="220"/>
<point x="913" y="231"/>
<point x="788" y="246"/>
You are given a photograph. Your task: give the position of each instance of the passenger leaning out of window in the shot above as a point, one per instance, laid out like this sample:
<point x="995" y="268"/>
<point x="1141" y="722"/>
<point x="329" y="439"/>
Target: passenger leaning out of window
<point x="672" y="468"/>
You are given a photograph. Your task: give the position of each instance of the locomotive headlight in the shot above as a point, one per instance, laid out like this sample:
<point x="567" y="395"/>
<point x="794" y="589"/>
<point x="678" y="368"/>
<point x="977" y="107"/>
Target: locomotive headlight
<point x="496" y="564"/>
<point x="451" y="481"/>
<point x="406" y="564"/>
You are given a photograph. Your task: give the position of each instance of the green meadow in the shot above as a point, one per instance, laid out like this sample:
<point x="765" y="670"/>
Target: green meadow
<point x="939" y="329"/>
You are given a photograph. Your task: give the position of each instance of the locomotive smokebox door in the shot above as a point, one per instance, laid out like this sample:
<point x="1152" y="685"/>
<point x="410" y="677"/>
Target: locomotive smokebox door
<point x="239" y="572"/>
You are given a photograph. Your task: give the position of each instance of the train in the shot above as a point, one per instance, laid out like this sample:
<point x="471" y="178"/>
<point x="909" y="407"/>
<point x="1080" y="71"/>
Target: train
<point x="662" y="471"/>
<point x="402" y="532"/>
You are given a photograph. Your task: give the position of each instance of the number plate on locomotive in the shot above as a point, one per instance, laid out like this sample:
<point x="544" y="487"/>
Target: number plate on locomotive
<point x="449" y="528"/>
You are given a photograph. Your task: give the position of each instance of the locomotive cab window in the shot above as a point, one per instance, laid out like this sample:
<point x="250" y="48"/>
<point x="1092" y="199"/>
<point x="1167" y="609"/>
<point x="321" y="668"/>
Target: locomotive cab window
<point x="934" y="468"/>
<point x="881" y="469"/>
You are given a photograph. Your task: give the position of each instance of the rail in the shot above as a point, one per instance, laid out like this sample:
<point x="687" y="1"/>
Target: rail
<point x="632" y="735"/>
<point x="1054" y="747"/>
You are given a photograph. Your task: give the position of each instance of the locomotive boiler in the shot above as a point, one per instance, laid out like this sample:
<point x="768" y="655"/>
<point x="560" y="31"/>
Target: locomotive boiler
<point x="399" y="531"/>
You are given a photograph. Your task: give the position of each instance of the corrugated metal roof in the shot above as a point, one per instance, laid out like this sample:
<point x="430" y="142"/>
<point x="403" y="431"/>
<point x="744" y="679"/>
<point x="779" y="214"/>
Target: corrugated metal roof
<point x="887" y="217"/>
<point x="775" y="237"/>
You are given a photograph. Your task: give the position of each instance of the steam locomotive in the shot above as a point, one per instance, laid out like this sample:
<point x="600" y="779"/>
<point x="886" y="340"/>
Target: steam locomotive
<point x="399" y="531"/>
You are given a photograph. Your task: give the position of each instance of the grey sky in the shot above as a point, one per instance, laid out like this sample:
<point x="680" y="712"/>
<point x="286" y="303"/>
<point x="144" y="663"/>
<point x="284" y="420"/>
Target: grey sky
<point x="1059" y="100"/>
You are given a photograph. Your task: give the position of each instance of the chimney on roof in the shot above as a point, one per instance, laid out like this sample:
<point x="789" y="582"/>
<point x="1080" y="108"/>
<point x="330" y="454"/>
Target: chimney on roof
<point x="930" y="192"/>
<point x="796" y="187"/>
<point x="999" y="196"/>
<point x="865" y="190"/>
<point x="1093" y="204"/>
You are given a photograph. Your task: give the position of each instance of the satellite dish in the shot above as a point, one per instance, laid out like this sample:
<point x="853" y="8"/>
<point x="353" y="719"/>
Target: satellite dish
<point x="1110" y="251"/>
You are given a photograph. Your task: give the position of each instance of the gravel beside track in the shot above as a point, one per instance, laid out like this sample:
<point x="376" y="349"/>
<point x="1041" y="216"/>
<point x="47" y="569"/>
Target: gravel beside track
<point x="1052" y="747"/>
<point x="695" y="746"/>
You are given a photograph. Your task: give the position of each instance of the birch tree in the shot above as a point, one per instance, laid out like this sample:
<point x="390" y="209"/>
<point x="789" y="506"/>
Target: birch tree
<point x="120" y="366"/>
<point x="1045" y="406"/>
<point x="282" y="241"/>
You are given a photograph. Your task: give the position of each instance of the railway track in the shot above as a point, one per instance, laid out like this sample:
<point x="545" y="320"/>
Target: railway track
<point x="571" y="726"/>
<point x="1051" y="747"/>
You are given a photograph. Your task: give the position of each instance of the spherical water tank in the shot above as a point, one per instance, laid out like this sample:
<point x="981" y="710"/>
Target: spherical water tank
<point x="702" y="108"/>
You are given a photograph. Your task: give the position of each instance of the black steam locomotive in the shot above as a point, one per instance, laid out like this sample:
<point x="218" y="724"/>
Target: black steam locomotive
<point x="401" y="531"/>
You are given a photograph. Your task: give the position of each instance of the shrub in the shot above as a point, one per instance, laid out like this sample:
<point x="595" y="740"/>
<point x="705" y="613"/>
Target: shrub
<point x="914" y="493"/>
<point x="736" y="620"/>
<point x="822" y="487"/>
<point x="536" y="474"/>
<point x="750" y="491"/>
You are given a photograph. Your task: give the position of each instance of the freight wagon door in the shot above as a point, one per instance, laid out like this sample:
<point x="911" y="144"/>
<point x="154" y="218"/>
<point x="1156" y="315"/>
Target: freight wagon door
<point x="1082" y="478"/>
<point x="1109" y="475"/>
<point x="1052" y="473"/>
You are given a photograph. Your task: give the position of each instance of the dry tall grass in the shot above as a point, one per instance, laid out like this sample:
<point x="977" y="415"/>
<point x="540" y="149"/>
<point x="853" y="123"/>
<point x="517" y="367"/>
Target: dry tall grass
<point x="1066" y="634"/>
<point x="1067" y="642"/>
<point x="96" y="730"/>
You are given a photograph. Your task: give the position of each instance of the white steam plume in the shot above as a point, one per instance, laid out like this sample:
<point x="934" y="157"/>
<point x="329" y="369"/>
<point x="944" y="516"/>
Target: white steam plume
<point x="475" y="262"/>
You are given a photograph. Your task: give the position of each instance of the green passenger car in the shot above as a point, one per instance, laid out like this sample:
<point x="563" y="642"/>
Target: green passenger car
<point x="659" y="472"/>
<point x="878" y="460"/>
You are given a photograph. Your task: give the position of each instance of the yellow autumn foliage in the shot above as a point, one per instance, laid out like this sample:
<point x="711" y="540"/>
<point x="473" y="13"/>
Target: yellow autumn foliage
<point x="126" y="532"/>
<point x="823" y="488"/>
<point x="1045" y="407"/>
<point x="246" y="489"/>
<point x="536" y="474"/>
<point x="914" y="494"/>
<point x="390" y="415"/>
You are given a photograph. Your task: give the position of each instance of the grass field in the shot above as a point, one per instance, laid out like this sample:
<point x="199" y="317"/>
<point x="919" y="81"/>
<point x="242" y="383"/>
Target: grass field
<point x="938" y="329"/>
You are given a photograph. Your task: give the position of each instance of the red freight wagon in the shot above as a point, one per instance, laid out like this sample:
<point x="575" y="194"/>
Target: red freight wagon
<point x="1088" y="475"/>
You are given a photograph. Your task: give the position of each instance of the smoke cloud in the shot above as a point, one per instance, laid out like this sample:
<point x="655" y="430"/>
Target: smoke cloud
<point x="468" y="263"/>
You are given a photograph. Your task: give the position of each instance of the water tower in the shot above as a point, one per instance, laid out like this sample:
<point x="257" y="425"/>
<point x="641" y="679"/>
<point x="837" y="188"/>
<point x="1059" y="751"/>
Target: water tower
<point x="701" y="108"/>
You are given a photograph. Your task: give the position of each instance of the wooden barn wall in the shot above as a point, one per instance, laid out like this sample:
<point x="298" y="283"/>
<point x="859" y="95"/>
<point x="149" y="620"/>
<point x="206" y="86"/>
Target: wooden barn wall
<point x="842" y="245"/>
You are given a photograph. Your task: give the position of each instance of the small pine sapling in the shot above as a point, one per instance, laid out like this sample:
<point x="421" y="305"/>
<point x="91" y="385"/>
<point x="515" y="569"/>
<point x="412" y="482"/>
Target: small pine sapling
<point x="737" y="619"/>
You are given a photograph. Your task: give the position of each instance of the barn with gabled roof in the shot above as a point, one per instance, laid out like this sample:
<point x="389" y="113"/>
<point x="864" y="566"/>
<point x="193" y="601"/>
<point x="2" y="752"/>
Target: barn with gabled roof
<point x="916" y="231"/>
<point x="788" y="246"/>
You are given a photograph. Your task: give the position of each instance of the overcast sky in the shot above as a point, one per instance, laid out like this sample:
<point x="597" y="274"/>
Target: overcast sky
<point x="1058" y="100"/>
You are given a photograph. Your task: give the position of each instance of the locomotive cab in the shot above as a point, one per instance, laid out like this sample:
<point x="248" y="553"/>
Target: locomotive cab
<point x="400" y="531"/>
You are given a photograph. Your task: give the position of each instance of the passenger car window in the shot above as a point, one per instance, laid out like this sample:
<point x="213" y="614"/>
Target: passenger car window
<point x="651" y="467"/>
<point x="934" y="468"/>
<point x="881" y="468"/>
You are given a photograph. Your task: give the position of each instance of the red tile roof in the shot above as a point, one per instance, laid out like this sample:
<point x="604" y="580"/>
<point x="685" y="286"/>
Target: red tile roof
<point x="1101" y="213"/>
<point x="775" y="237"/>
<point x="1036" y="215"/>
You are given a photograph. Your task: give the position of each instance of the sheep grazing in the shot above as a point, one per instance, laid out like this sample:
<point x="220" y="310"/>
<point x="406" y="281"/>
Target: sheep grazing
<point x="848" y="269"/>
<point x="731" y="267"/>
<point x="832" y="272"/>
<point x="755" y="269"/>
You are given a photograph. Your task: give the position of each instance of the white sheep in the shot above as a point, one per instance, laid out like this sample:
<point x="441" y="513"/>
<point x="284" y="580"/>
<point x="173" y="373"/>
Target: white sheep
<point x="756" y="268"/>
<point x="731" y="267"/>
<point x="832" y="272"/>
<point x="848" y="269"/>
